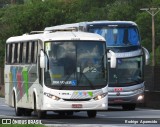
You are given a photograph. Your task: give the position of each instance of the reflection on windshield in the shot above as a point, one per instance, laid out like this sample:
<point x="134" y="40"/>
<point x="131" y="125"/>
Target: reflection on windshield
<point x="75" y="64"/>
<point x="128" y="71"/>
<point x="118" y="36"/>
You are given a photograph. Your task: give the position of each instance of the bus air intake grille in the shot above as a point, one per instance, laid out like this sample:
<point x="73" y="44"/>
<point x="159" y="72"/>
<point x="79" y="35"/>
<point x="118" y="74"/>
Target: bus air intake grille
<point x="87" y="99"/>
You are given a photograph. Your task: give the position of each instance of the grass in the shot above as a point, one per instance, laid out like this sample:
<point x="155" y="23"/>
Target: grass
<point x="21" y="125"/>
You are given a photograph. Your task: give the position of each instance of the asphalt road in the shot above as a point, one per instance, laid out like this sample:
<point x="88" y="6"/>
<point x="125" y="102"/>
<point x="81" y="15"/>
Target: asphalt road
<point x="114" y="117"/>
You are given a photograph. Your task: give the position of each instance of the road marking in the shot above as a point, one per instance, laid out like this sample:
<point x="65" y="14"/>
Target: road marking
<point x="4" y="105"/>
<point x="6" y="116"/>
<point x="146" y="109"/>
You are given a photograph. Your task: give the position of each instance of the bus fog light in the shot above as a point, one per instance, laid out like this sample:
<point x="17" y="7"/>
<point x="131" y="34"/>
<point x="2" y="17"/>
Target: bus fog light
<point x="103" y="105"/>
<point x="140" y="97"/>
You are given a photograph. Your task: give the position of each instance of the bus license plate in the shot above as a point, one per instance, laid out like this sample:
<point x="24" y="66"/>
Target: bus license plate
<point x="76" y="105"/>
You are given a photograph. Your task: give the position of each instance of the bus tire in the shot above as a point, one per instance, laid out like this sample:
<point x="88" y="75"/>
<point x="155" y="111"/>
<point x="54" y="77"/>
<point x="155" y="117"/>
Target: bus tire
<point x="34" y="100"/>
<point x="61" y="113"/>
<point x="18" y="111"/>
<point x="92" y="114"/>
<point x="41" y="114"/>
<point x="69" y="113"/>
<point x="129" y="107"/>
<point x="27" y="112"/>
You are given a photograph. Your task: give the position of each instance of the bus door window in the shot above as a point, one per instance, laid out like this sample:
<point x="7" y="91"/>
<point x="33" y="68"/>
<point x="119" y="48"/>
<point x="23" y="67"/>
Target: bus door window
<point x="38" y="46"/>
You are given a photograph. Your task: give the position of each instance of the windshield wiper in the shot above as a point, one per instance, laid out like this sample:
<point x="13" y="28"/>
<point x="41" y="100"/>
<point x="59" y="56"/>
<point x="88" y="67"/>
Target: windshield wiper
<point x="136" y="80"/>
<point x="63" y="84"/>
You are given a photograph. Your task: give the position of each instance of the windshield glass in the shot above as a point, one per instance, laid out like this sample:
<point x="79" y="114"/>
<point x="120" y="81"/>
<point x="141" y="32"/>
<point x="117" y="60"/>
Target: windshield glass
<point x="75" y="65"/>
<point x="128" y="72"/>
<point x="127" y="36"/>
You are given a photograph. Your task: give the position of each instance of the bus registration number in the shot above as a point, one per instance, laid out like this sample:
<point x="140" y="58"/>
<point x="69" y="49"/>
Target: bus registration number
<point x="118" y="89"/>
<point x="76" y="105"/>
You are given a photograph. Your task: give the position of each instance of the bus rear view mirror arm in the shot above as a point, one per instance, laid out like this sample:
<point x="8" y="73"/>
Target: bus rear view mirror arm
<point x="146" y="55"/>
<point x="113" y="59"/>
<point x="42" y="59"/>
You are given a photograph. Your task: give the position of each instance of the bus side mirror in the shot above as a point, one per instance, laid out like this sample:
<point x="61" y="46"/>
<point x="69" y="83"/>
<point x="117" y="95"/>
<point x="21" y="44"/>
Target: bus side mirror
<point x="113" y="60"/>
<point x="146" y="55"/>
<point x="42" y="59"/>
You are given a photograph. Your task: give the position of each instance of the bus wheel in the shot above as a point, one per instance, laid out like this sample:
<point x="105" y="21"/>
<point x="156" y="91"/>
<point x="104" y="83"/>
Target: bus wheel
<point x="27" y="112"/>
<point x="91" y="114"/>
<point x="69" y="113"/>
<point x="41" y="114"/>
<point x="129" y="106"/>
<point x="61" y="113"/>
<point x="18" y="111"/>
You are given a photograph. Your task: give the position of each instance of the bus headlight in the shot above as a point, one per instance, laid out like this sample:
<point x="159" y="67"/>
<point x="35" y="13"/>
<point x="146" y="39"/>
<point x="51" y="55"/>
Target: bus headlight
<point x="51" y="96"/>
<point x="98" y="97"/>
<point x="140" y="97"/>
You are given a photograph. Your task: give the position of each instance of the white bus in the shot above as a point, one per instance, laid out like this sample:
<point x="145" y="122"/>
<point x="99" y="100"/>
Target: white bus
<point x="59" y="71"/>
<point x="126" y="81"/>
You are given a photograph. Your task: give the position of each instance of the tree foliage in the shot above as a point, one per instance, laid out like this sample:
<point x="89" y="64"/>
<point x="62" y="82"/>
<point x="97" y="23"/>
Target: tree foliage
<point x="18" y="19"/>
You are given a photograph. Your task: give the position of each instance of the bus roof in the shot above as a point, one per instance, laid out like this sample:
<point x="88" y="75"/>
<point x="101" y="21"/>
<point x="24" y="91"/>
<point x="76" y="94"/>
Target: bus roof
<point x="112" y="23"/>
<point x="98" y="23"/>
<point x="52" y="28"/>
<point x="57" y="36"/>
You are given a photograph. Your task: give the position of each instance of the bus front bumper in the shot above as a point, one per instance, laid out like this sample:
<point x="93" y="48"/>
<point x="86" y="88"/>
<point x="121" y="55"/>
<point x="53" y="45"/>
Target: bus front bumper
<point x="53" y="105"/>
<point x="122" y="98"/>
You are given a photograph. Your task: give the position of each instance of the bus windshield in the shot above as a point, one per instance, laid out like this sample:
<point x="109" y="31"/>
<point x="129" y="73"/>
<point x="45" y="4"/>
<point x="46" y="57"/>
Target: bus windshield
<point x="76" y="65"/>
<point x="118" y="36"/>
<point x="128" y="72"/>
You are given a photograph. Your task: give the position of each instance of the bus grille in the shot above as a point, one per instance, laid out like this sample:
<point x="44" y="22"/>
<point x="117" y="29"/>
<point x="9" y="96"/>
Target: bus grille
<point x="86" y="99"/>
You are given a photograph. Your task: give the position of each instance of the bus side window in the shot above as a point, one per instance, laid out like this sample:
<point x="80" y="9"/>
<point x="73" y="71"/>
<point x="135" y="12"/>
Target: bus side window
<point x="18" y="52"/>
<point x="9" y="54"/>
<point x="27" y="52"/>
<point x="6" y="53"/>
<point x="24" y="53"/>
<point x="13" y="48"/>
<point x="33" y="52"/>
<point x="21" y="53"/>
<point x="15" y="53"/>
